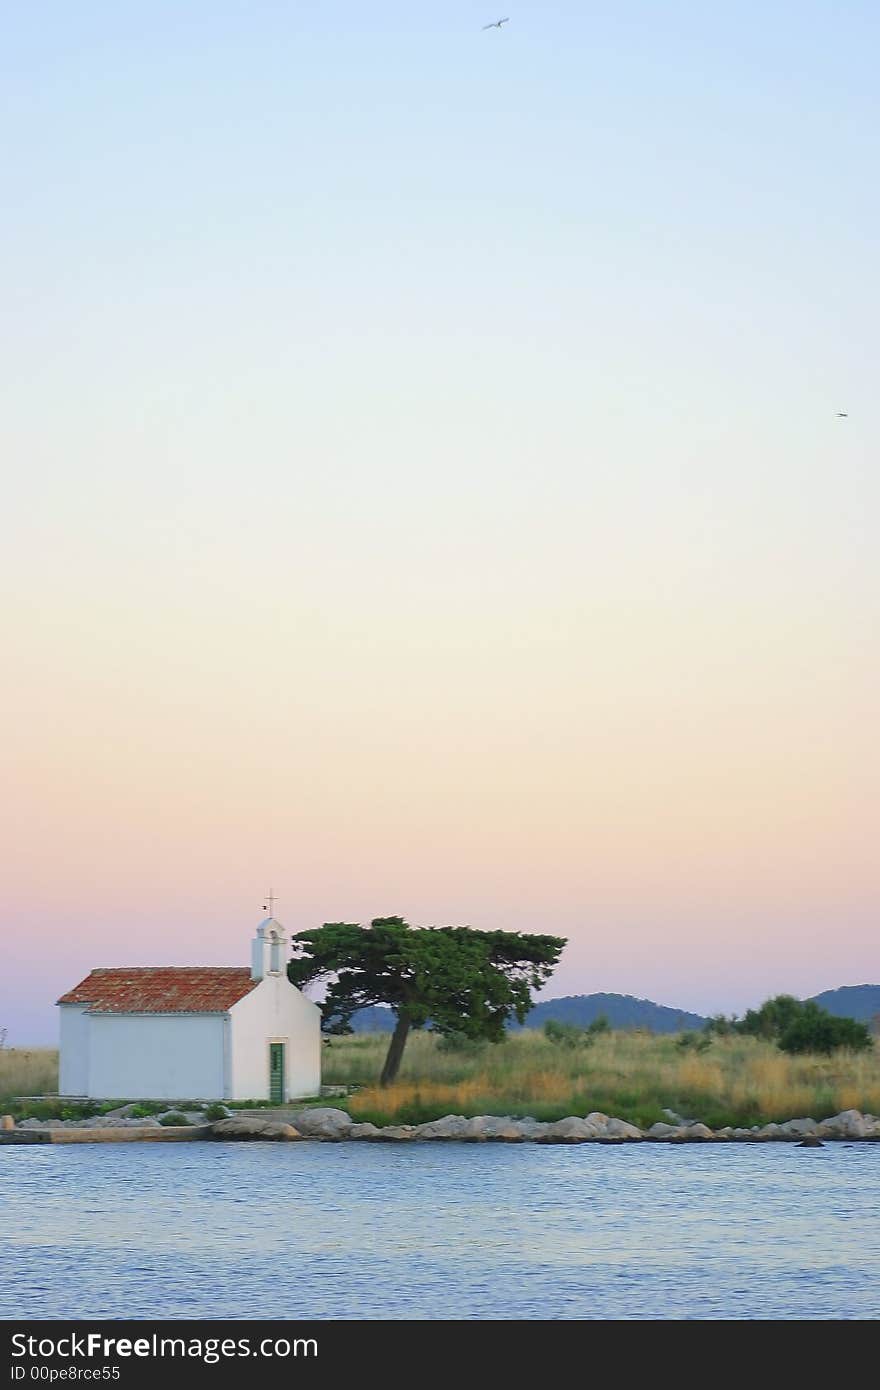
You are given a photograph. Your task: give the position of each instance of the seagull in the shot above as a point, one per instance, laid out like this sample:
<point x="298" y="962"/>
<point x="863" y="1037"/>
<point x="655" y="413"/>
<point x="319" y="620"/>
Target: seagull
<point x="843" y="414"/>
<point x="496" y="24"/>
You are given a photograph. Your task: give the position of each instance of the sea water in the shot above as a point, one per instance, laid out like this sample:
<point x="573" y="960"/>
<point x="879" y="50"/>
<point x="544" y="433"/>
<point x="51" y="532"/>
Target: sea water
<point x="421" y="1230"/>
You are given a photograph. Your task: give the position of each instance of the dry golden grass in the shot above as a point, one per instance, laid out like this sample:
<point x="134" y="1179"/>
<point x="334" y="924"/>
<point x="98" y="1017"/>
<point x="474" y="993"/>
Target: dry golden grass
<point x="630" y="1074"/>
<point x="634" y="1075"/>
<point x="28" y="1071"/>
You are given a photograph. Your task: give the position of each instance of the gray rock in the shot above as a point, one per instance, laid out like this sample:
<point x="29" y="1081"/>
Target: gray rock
<point x="509" y="1132"/>
<point x="849" y="1124"/>
<point x="397" y="1133"/>
<point x="482" y="1127"/>
<point x="663" y="1131"/>
<point x="571" y="1130"/>
<point x="238" y="1127"/>
<point x="531" y="1128"/>
<point x="621" y="1129"/>
<point x="490" y="1127"/>
<point x="334" y="1091"/>
<point x="322" y="1122"/>
<point x="252" y="1127"/>
<point x="597" y="1118"/>
<point x="501" y="1128"/>
<point x="799" y="1128"/>
<point x="810" y="1141"/>
<point x="277" y="1129"/>
<point x="364" y="1131"/>
<point x="698" y="1131"/>
<point x="771" y="1131"/>
<point x="449" y="1127"/>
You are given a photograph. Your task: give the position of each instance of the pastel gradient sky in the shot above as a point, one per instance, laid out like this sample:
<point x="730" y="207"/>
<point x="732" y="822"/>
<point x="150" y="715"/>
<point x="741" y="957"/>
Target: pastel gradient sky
<point x="423" y="489"/>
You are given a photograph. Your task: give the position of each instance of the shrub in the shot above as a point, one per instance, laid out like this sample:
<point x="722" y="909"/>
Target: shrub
<point x="216" y="1112"/>
<point x="773" y="1017"/>
<point x="804" y="1026"/>
<point x="817" y="1031"/>
<point x="460" y="1043"/>
<point x="694" y="1042"/>
<point x="145" y="1108"/>
<point x="55" y="1109"/>
<point x="720" y="1026"/>
<point x="173" y="1117"/>
<point x="567" y="1034"/>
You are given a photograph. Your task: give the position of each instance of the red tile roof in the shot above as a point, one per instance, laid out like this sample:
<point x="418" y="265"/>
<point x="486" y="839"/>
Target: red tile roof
<point x="160" y="989"/>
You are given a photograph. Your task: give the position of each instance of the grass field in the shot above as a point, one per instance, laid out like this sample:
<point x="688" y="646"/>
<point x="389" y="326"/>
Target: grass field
<point x="629" y="1074"/>
<point x="27" y="1071"/>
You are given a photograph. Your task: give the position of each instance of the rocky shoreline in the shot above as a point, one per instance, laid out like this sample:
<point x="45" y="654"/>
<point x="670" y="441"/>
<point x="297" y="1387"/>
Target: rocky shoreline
<point x="325" y="1123"/>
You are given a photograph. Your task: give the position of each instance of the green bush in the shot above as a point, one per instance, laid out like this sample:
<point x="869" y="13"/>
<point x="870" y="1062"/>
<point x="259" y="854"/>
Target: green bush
<point x="773" y="1017"/>
<point x="56" y="1109"/>
<point x="694" y="1042"/>
<point x="567" y="1034"/>
<point x="720" y="1026"/>
<point x="817" y="1031"/>
<point x="173" y="1117"/>
<point x="215" y="1112"/>
<point x="804" y="1026"/>
<point x="460" y="1043"/>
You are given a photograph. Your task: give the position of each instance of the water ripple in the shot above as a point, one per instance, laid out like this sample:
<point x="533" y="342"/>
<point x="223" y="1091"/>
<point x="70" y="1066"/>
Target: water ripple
<point x="440" y="1231"/>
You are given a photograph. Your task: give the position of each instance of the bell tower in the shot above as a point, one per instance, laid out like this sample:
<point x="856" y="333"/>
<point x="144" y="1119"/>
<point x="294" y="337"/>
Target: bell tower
<point x="267" y="951"/>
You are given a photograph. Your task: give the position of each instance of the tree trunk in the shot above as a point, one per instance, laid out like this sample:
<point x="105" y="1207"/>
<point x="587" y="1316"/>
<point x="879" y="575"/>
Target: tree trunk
<point x="395" y="1049"/>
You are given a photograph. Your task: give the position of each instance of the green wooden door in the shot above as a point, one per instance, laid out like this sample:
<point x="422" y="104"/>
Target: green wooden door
<point x="276" y="1073"/>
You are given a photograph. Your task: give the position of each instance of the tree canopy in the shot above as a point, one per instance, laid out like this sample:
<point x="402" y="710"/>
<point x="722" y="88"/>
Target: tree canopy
<point x="816" y="1030"/>
<point x="772" y="1019"/>
<point x="458" y="979"/>
<point x="797" y="1025"/>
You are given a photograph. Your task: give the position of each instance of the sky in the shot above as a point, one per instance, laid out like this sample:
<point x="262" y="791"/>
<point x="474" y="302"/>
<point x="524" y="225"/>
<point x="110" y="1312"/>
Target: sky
<point x="423" y="489"/>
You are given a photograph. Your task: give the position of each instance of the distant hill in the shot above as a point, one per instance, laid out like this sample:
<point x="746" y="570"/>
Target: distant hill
<point x="625" y="1011"/>
<point x="378" y="1018"/>
<point x="852" y="1001"/>
<point x="621" y="1010"/>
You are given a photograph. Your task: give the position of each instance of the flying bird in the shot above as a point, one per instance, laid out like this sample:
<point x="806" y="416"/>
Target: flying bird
<point x="843" y="414"/>
<point x="496" y="24"/>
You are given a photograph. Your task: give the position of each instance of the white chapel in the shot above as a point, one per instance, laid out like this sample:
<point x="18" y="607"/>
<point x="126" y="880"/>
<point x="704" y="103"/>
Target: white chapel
<point x="200" y="1032"/>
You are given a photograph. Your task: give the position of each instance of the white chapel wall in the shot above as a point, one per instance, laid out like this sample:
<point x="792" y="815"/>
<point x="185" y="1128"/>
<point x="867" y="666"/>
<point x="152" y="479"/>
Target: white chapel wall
<point x="157" y="1057"/>
<point x="74" y="1050"/>
<point x="276" y="1011"/>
